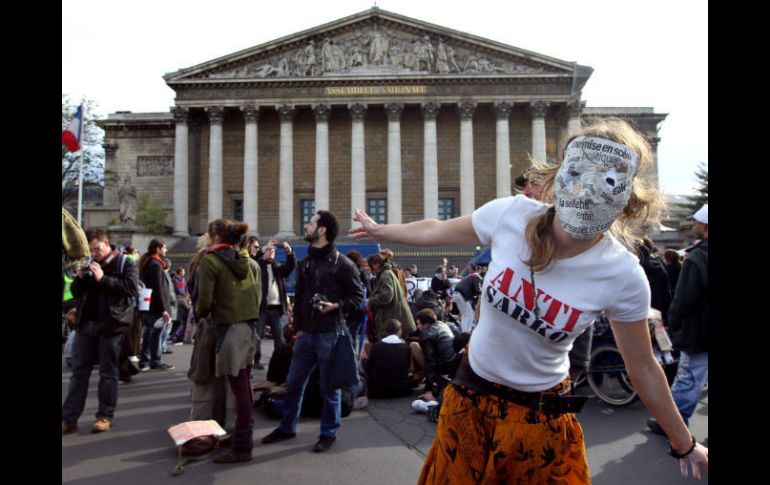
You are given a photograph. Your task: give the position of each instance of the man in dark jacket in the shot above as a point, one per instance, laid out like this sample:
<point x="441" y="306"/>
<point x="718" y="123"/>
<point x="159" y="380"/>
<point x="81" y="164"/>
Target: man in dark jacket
<point x="437" y="344"/>
<point x="106" y="311"/>
<point x="328" y="286"/>
<point x="689" y="316"/>
<point x="152" y="268"/>
<point x="657" y="276"/>
<point x="274" y="305"/>
<point x="466" y="292"/>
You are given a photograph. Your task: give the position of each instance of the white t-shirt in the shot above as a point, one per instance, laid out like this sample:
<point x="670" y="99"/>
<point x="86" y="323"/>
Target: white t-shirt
<point x="513" y="348"/>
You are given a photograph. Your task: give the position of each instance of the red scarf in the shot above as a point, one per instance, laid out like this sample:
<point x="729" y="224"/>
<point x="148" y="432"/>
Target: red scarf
<point x="213" y="248"/>
<point x="157" y="258"/>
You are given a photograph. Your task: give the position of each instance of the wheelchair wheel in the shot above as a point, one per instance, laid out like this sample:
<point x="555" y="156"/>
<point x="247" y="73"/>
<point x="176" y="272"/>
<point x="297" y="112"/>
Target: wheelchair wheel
<point x="608" y="378"/>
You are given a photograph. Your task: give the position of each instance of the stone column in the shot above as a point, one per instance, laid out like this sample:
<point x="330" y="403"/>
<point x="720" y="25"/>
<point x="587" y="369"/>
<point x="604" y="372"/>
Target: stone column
<point x="467" y="187"/>
<point x="574" y="110"/>
<point x="181" y="173"/>
<point x="216" y="115"/>
<point x="357" y="161"/>
<point x="538" y="110"/>
<point x="321" y="156"/>
<point x="430" y="161"/>
<point x="503" y="167"/>
<point x="394" y="111"/>
<point x="251" y="169"/>
<point x="286" y="176"/>
<point x="654" y="140"/>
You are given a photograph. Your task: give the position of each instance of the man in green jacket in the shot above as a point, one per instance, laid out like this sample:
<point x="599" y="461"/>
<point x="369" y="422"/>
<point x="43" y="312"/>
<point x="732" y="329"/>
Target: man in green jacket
<point x="387" y="300"/>
<point x="689" y="316"/>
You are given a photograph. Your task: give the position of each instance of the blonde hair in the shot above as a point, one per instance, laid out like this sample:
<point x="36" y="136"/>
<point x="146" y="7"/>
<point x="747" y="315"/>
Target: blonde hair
<point x="643" y="207"/>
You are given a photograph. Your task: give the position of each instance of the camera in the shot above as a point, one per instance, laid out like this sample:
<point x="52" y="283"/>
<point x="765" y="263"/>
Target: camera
<point x="317" y="299"/>
<point x="87" y="273"/>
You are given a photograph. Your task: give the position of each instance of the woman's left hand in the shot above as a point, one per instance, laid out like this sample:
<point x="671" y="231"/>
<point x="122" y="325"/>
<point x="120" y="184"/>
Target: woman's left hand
<point x="699" y="458"/>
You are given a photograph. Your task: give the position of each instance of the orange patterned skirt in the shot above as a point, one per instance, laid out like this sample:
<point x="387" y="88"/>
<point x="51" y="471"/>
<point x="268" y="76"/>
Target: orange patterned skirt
<point x="482" y="439"/>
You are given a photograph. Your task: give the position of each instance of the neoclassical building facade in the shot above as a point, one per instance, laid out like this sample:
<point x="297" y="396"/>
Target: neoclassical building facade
<point x="400" y="117"/>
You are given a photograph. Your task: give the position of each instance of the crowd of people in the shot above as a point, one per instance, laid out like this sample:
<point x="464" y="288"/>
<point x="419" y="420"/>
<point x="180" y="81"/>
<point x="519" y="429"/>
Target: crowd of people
<point x="492" y="351"/>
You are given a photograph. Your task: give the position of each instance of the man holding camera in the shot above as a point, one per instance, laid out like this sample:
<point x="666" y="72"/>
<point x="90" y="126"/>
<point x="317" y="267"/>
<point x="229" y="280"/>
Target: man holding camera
<point x="106" y="310"/>
<point x="274" y="305"/>
<point x="328" y="286"/>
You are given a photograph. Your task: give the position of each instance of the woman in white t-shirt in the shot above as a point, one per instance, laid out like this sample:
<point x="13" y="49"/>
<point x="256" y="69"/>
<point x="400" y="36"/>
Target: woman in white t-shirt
<point x="554" y="268"/>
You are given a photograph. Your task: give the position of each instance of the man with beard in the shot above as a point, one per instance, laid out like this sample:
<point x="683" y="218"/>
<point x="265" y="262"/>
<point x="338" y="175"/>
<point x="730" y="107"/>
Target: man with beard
<point x="106" y="293"/>
<point x="328" y="285"/>
<point x="689" y="318"/>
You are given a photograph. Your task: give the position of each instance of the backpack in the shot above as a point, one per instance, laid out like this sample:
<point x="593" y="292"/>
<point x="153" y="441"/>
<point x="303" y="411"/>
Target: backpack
<point x="139" y="287"/>
<point x="123" y="311"/>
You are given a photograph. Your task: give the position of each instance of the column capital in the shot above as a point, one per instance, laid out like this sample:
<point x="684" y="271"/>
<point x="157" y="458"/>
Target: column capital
<point x="215" y="114"/>
<point x="287" y="111"/>
<point x="394" y="110"/>
<point x="466" y="109"/>
<point x="181" y="115"/>
<point x="321" y="112"/>
<point x="538" y="109"/>
<point x="502" y="109"/>
<point x="575" y="108"/>
<point x="357" y="111"/>
<point x="251" y="113"/>
<point x="430" y="110"/>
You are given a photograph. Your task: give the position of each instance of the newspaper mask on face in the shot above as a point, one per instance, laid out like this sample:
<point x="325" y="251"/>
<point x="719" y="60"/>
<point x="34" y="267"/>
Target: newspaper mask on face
<point x="593" y="185"/>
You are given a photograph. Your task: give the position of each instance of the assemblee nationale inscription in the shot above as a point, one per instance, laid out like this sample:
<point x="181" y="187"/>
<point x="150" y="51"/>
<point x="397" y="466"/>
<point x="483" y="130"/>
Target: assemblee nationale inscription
<point x="374" y="90"/>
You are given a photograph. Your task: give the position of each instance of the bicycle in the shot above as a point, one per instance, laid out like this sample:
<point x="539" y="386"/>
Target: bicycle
<point x="606" y="374"/>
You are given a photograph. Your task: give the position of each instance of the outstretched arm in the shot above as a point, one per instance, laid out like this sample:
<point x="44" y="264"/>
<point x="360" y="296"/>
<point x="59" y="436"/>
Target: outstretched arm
<point x="635" y="346"/>
<point x="427" y="232"/>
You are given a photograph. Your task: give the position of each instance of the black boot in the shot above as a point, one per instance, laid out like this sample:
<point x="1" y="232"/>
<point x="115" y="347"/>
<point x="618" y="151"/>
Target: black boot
<point x="242" y="443"/>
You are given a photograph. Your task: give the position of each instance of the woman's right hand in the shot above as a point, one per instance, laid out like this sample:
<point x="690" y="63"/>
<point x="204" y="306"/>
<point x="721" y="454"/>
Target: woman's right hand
<point x="368" y="228"/>
<point x="699" y="458"/>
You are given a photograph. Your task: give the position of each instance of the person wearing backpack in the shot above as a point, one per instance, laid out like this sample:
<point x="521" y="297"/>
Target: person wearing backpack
<point x="107" y="293"/>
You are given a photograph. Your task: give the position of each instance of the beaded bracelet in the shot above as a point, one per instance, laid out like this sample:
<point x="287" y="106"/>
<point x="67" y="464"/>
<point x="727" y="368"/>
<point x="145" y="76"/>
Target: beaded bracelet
<point x="679" y="456"/>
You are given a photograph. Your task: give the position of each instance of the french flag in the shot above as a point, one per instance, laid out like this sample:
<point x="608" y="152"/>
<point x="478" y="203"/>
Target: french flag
<point x="71" y="136"/>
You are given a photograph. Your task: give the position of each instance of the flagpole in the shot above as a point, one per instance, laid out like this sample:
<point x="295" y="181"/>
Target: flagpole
<point x="80" y="176"/>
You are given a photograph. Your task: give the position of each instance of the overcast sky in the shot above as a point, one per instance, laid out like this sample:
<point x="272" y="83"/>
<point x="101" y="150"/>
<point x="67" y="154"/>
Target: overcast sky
<point x="644" y="54"/>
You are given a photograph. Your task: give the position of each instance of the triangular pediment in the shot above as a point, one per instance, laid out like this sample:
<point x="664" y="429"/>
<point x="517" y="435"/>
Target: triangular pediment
<point x="376" y="44"/>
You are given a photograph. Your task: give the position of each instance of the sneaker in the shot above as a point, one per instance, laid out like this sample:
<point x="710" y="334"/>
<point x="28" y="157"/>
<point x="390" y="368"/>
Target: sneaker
<point x="259" y="366"/>
<point x="163" y="366"/>
<point x="123" y="382"/>
<point x="277" y="435"/>
<point x="134" y="359"/>
<point x="178" y="343"/>
<point x="168" y="351"/>
<point x="101" y="425"/>
<point x="67" y="428"/>
<point x="360" y="402"/>
<point x="231" y="456"/>
<point x="652" y="423"/>
<point x="324" y="443"/>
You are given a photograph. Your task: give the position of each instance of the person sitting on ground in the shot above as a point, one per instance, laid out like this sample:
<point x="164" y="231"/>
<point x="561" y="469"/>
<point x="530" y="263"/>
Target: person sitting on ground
<point x="439" y="354"/>
<point x="387" y="367"/>
<point x="428" y="299"/>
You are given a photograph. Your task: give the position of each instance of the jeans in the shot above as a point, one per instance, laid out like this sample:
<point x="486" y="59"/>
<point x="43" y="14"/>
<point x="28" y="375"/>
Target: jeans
<point x="90" y="341"/>
<point x="311" y="349"/>
<point x="272" y="316"/>
<point x="150" y="352"/>
<point x="690" y="378"/>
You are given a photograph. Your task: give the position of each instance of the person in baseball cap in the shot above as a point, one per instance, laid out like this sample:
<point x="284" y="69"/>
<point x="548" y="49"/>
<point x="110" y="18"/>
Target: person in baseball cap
<point x="702" y="215"/>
